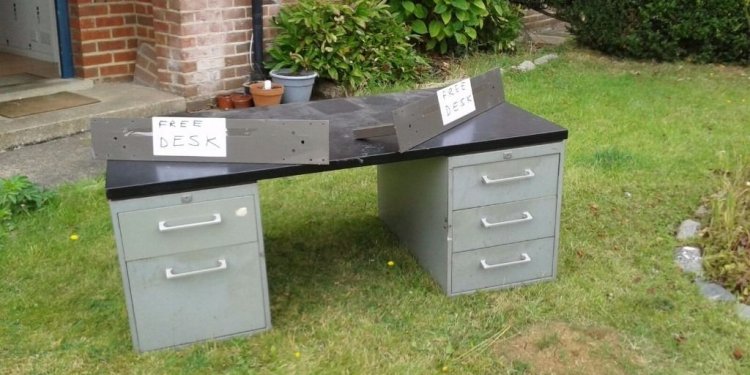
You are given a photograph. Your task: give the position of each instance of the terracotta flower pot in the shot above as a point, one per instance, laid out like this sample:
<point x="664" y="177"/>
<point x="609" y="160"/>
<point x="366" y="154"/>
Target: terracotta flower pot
<point x="265" y="97"/>
<point x="241" y="100"/>
<point x="224" y="101"/>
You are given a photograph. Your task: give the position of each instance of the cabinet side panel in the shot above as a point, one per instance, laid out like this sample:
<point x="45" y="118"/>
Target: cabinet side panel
<point x="115" y="209"/>
<point x="559" y="208"/>
<point x="413" y="203"/>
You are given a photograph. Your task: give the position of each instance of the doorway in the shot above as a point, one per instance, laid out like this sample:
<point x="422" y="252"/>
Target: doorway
<point x="35" y="38"/>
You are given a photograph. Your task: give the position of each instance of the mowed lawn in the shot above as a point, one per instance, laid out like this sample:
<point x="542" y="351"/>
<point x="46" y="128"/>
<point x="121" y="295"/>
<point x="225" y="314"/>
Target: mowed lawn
<point x="644" y="149"/>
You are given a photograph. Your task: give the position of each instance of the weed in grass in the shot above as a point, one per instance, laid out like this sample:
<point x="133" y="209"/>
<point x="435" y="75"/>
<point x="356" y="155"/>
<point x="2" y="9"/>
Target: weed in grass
<point x="612" y="158"/>
<point x="18" y="196"/>
<point x="726" y="239"/>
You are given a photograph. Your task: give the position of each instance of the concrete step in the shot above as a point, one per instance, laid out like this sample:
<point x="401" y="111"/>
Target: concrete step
<point x="541" y="23"/>
<point x="548" y="39"/>
<point x="44" y="87"/>
<point x="122" y="100"/>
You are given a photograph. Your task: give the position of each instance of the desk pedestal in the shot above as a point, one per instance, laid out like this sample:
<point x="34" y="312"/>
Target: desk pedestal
<point x="478" y="221"/>
<point x="192" y="265"/>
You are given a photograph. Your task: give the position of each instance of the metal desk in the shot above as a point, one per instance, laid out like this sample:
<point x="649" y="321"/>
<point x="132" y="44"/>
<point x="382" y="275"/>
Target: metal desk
<point x="478" y="206"/>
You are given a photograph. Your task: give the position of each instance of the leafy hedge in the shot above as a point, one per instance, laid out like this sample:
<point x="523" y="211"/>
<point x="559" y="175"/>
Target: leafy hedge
<point x="354" y="43"/>
<point x="461" y="25"/>
<point x="667" y="30"/>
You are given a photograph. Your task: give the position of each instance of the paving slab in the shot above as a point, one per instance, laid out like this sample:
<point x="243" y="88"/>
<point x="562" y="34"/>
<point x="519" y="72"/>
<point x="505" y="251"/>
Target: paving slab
<point x="52" y="163"/>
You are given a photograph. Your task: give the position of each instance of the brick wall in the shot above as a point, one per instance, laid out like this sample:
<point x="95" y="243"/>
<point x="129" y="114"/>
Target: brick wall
<point x="200" y="47"/>
<point x="104" y="38"/>
<point x="144" y="21"/>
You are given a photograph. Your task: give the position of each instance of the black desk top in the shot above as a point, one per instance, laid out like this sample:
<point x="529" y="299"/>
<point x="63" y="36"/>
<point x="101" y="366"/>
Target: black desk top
<point x="504" y="126"/>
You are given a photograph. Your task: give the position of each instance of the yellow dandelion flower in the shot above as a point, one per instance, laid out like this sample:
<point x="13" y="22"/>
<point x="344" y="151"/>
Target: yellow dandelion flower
<point x="297" y="354"/>
<point x="391" y="263"/>
<point x="74" y="237"/>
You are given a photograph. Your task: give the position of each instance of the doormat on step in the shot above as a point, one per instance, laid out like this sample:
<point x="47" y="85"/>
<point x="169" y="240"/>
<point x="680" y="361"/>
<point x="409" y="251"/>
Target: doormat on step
<point x="18" y="79"/>
<point x="46" y="103"/>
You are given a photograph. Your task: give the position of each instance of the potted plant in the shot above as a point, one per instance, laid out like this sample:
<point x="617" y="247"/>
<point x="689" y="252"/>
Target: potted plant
<point x="298" y="85"/>
<point x="266" y="93"/>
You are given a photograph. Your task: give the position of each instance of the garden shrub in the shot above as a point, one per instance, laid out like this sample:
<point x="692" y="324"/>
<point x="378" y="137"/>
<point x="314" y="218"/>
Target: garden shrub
<point x="667" y="30"/>
<point x="354" y="43"/>
<point x="726" y="238"/>
<point x="447" y="25"/>
<point x="18" y="196"/>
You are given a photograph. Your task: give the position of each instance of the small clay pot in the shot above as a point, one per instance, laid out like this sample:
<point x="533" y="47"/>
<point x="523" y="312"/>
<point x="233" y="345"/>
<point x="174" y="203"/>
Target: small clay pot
<point x="224" y="102"/>
<point x="241" y="100"/>
<point x="263" y="97"/>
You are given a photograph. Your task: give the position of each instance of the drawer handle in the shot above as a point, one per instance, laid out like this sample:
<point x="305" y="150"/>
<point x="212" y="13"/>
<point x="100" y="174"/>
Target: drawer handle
<point x="526" y="217"/>
<point x="525" y="258"/>
<point x="527" y="173"/>
<point x="163" y="227"/>
<point x="222" y="266"/>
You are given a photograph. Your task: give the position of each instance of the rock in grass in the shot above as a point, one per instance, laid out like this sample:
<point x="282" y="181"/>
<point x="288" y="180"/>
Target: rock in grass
<point x="743" y="311"/>
<point x="689" y="259"/>
<point x="545" y="59"/>
<point x="702" y="212"/>
<point x="714" y="292"/>
<point x="688" y="229"/>
<point x="525" y="66"/>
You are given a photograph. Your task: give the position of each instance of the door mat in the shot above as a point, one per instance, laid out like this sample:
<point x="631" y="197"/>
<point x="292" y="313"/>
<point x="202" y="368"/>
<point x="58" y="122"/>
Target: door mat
<point x="18" y="79"/>
<point x="46" y="103"/>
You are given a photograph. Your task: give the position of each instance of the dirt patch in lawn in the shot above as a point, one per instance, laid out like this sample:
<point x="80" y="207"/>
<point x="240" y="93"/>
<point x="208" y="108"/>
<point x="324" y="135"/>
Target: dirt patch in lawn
<point x="558" y="348"/>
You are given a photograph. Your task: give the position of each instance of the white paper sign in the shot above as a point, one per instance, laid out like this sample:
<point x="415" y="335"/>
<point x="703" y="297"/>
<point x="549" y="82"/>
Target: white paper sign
<point x="189" y="136"/>
<point x="456" y="101"/>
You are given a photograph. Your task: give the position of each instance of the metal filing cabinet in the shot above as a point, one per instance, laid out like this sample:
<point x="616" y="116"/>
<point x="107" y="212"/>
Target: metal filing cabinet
<point x="192" y="266"/>
<point x="478" y="221"/>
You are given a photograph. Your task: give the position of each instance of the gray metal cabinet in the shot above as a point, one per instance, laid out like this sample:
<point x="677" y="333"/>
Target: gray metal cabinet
<point x="192" y="266"/>
<point x="478" y="221"/>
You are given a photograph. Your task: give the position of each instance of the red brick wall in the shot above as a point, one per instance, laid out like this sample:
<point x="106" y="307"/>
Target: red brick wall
<point x="144" y="20"/>
<point x="104" y="38"/>
<point x="202" y="46"/>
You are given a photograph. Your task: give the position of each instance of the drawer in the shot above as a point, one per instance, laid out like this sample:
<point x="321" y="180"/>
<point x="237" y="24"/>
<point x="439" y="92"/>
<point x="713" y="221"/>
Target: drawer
<point x="505" y="181"/>
<point x="499" y="224"/>
<point x="503" y="265"/>
<point x="213" y="293"/>
<point x="188" y="227"/>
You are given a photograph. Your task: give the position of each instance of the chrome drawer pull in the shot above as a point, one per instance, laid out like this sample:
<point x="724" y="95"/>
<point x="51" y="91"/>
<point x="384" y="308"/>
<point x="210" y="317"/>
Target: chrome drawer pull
<point x="526" y="217"/>
<point x="163" y="227"/>
<point x="222" y="266"/>
<point x="527" y="173"/>
<point x="525" y="258"/>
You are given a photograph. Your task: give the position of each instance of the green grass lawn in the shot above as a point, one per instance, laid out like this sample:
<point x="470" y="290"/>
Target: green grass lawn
<point x="642" y="152"/>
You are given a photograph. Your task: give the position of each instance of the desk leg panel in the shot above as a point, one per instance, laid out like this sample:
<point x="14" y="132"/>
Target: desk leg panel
<point x="413" y="203"/>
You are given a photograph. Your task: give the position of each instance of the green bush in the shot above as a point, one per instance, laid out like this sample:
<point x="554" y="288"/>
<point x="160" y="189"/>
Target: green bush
<point x="447" y="25"/>
<point x="501" y="27"/>
<point x="667" y="30"/>
<point x="18" y="196"/>
<point x="355" y="43"/>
